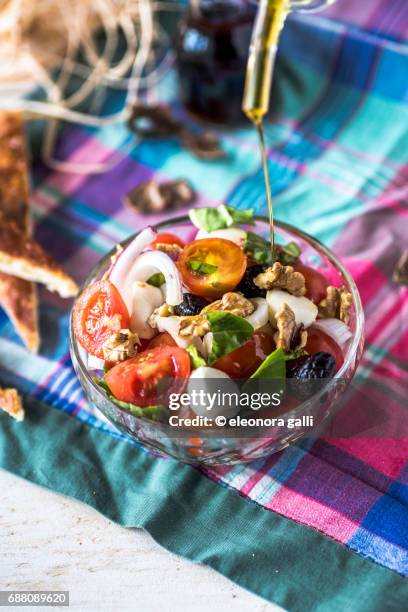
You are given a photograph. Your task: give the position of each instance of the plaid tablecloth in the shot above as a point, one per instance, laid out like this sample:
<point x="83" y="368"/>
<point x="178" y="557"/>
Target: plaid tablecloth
<point x="338" y="159"/>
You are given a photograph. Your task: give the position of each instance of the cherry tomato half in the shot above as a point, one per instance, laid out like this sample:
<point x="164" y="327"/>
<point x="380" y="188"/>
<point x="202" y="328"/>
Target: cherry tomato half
<point x="151" y="376"/>
<point x="243" y="362"/>
<point x="99" y="313"/>
<point x="318" y="341"/>
<point x="212" y="266"/>
<point x="316" y="283"/>
<point x="163" y="339"/>
<point x="167" y="238"/>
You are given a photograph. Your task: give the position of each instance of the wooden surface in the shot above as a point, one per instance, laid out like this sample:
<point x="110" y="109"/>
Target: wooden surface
<point x="50" y="542"/>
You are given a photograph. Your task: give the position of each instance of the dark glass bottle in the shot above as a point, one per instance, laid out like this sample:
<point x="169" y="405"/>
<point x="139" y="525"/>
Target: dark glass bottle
<point x="212" y="49"/>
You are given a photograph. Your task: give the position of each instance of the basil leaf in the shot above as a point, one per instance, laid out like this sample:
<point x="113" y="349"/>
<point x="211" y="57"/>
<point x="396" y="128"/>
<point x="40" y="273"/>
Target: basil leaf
<point x="201" y="267"/>
<point x="229" y="332"/>
<point x="258" y="248"/>
<point x="154" y="413"/>
<point x="211" y="219"/>
<point x="245" y="217"/>
<point x="288" y="253"/>
<point x="274" y="365"/>
<point x="156" y="280"/>
<point x="196" y="360"/>
<point x="102" y="383"/>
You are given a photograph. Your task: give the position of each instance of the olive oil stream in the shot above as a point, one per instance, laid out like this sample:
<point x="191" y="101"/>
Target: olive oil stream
<point x="269" y="22"/>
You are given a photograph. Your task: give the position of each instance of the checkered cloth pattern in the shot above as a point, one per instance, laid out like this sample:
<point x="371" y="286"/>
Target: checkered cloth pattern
<point x="337" y="151"/>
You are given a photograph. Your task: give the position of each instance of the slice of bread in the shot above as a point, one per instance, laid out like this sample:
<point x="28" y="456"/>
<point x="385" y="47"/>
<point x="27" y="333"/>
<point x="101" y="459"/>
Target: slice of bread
<point x="18" y="297"/>
<point x="22" y="256"/>
<point x="10" y="402"/>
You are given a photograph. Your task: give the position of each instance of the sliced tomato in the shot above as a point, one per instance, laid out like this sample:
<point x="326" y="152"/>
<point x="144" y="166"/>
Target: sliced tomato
<point x="167" y="238"/>
<point x="163" y="339"/>
<point x="212" y="266"/>
<point x="99" y="313"/>
<point x="143" y="344"/>
<point x="316" y="283"/>
<point x="151" y="376"/>
<point x="318" y="341"/>
<point x="243" y="362"/>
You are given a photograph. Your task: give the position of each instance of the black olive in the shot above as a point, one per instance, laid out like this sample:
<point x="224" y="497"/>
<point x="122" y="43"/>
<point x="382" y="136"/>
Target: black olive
<point x="191" y="305"/>
<point x="319" y="365"/>
<point x="305" y="374"/>
<point x="247" y="285"/>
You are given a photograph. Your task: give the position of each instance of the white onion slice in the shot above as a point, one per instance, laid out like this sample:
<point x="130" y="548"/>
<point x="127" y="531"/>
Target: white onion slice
<point x="334" y="328"/>
<point x="123" y="264"/>
<point x="141" y="269"/>
<point x="260" y="316"/>
<point x="149" y="263"/>
<point x="145" y="300"/>
<point x="207" y="344"/>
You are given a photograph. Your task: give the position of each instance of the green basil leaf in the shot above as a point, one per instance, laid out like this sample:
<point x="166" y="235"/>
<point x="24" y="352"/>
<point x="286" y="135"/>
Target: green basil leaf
<point x="156" y="280"/>
<point x="102" y="383"/>
<point x="289" y="253"/>
<point x="258" y="248"/>
<point x="196" y="360"/>
<point x="201" y="267"/>
<point x="229" y="332"/>
<point x="246" y="217"/>
<point x="211" y="219"/>
<point x="153" y="413"/>
<point x="274" y="366"/>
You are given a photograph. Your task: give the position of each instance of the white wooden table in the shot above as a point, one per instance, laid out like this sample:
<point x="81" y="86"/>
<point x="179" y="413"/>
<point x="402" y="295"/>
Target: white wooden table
<point x="50" y="542"/>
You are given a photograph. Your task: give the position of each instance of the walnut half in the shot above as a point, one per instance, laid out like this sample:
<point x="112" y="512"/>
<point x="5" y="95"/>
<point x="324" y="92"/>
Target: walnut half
<point x="120" y="346"/>
<point x="232" y="302"/>
<point x="282" y="277"/>
<point x="336" y="304"/>
<point x="290" y="336"/>
<point x="165" y="310"/>
<point x="196" y="325"/>
<point x="172" y="250"/>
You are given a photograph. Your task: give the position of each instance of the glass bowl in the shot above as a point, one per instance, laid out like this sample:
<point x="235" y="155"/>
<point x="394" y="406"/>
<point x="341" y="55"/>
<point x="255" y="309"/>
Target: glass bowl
<point x="222" y="445"/>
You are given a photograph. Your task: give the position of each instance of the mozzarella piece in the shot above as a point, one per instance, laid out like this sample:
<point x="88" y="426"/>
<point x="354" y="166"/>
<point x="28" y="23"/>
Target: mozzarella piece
<point x="201" y="380"/>
<point x="304" y="310"/>
<point x="260" y="316"/>
<point x="145" y="299"/>
<point x="235" y="234"/>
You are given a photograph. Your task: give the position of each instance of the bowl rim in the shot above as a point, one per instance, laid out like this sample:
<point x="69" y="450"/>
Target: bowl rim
<point x="322" y="249"/>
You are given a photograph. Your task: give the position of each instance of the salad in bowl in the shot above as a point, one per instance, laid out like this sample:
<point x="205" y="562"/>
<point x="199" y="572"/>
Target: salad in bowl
<point x="203" y="302"/>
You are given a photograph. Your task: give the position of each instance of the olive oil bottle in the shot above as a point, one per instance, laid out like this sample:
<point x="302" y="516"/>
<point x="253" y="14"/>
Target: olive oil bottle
<point x="268" y="25"/>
